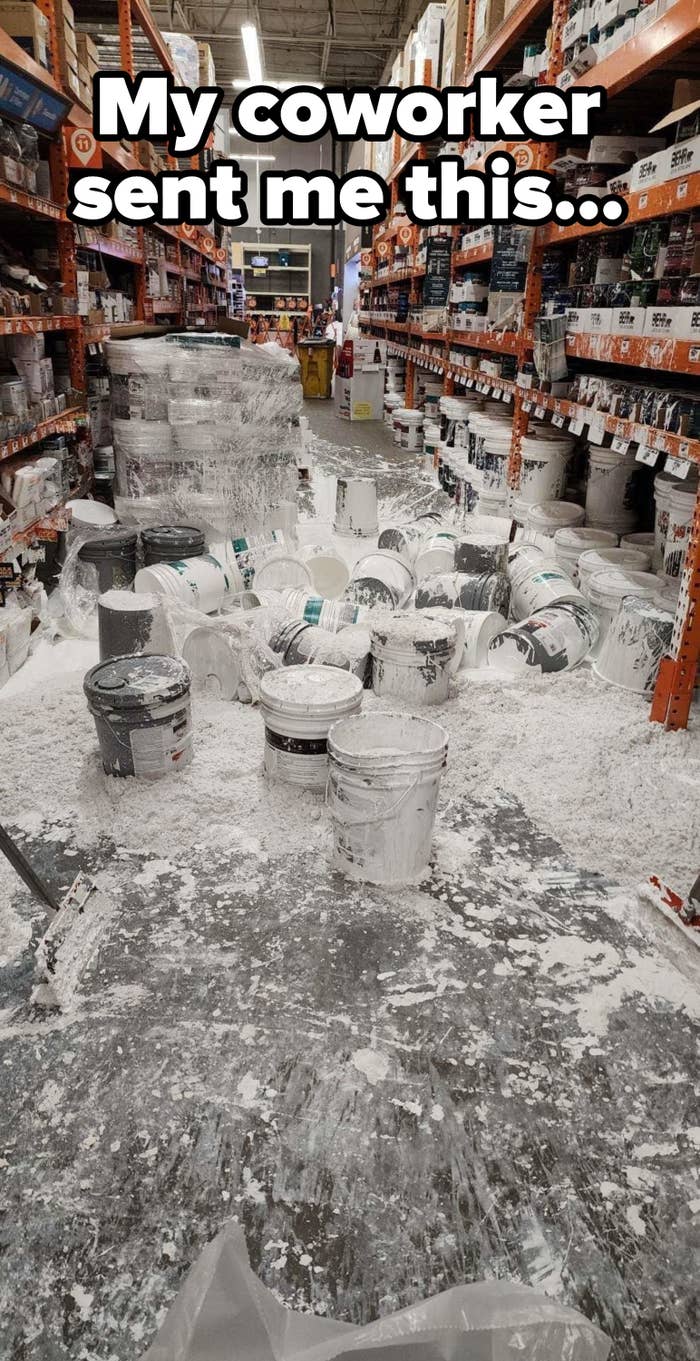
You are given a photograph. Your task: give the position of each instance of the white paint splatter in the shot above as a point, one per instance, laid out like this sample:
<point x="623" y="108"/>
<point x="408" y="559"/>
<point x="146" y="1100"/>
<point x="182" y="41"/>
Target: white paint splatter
<point x="436" y="1112"/>
<point x="372" y="1063"/>
<point x="413" y="1107"/>
<point x="83" y="1299"/>
<point x="633" y="1216"/>
<point x="248" y="1089"/>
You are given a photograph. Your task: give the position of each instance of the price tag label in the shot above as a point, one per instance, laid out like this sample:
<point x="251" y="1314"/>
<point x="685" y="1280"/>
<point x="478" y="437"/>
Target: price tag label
<point x="678" y="466"/>
<point x="620" y="445"/>
<point x="527" y="407"/>
<point x="470" y="383"/>
<point x="596" y="430"/>
<point x="540" y="412"/>
<point x="497" y="392"/>
<point x="558" y="420"/>
<point x="507" y="396"/>
<point x="576" y="425"/>
<point x="646" y="455"/>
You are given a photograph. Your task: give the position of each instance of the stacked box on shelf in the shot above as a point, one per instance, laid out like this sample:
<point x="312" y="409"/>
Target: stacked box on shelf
<point x="68" y="47"/>
<point x="25" y="23"/>
<point x="456" y="24"/>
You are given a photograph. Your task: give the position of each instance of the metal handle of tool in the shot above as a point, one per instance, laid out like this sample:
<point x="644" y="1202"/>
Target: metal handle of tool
<point x="25" y="871"/>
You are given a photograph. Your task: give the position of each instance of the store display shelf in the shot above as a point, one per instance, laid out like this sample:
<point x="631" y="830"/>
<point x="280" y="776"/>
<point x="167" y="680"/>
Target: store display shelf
<point x="674" y="196"/>
<point x="475" y="255"/>
<point x="94" y="335"/>
<point x="627" y="431"/>
<point x="656" y="45"/>
<point x="46" y="525"/>
<point x="503" y="342"/>
<point x="11" y="52"/>
<point x="398" y="276"/>
<point x="30" y="326"/>
<point x="56" y="425"/>
<point x="472" y="378"/>
<point x="163" y="306"/>
<point x="108" y="245"/>
<point x="648" y="352"/>
<point x="507" y="34"/>
<point x="31" y="203"/>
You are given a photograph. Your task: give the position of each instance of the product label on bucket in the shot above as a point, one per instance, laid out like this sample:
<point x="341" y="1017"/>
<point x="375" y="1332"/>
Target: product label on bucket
<point x="155" y="751"/>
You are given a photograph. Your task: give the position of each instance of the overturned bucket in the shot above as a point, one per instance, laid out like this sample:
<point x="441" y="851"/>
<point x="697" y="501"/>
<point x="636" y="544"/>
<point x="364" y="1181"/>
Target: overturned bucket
<point x="638" y="637"/>
<point x="128" y="624"/>
<point x="356" y="507"/>
<point x="384" y="776"/>
<point x="380" y="578"/>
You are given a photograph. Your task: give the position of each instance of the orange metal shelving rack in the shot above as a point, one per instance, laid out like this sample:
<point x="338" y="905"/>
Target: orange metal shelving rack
<point x="664" y="40"/>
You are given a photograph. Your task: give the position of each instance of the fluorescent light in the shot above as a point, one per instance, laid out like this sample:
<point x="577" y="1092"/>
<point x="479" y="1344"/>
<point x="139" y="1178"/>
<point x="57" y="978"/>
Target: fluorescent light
<point x="255" y="158"/>
<point x="251" y="47"/>
<point x="279" y="84"/>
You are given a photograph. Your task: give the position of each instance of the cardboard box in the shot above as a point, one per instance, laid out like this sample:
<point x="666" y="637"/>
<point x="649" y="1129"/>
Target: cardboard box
<point x="29" y="28"/>
<point x="661" y="322"/>
<point x="651" y="170"/>
<point x="88" y="54"/>
<point x="577" y="320"/>
<point x="622" y="150"/>
<point x="683" y="158"/>
<point x="207" y="71"/>
<point x="489" y="14"/>
<point x="360" y="398"/>
<point x="454" y="42"/>
<point x="628" y="321"/>
<point x="600" y="320"/>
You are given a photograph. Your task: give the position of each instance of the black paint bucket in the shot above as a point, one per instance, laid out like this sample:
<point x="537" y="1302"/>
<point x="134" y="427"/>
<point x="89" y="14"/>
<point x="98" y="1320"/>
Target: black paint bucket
<point x="129" y="624"/>
<point x="114" y="557"/>
<point x="172" y="543"/>
<point x="141" y="708"/>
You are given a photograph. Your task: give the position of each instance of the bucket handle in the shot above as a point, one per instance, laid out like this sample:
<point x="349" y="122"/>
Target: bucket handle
<point x="384" y="817"/>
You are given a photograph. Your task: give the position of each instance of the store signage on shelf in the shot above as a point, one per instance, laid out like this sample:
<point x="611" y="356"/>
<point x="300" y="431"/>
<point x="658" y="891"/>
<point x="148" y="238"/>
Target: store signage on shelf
<point x="436" y="286"/>
<point x="23" y="98"/>
<point x="678" y="466"/>
<point x="83" y="150"/>
<point x="221" y="255"/>
<point x="646" y="455"/>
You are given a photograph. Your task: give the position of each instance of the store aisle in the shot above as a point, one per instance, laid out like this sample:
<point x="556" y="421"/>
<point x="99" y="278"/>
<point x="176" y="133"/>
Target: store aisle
<point x="371" y="1081"/>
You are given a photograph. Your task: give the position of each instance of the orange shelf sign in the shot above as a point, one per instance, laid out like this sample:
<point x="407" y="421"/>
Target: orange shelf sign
<point x="83" y="150"/>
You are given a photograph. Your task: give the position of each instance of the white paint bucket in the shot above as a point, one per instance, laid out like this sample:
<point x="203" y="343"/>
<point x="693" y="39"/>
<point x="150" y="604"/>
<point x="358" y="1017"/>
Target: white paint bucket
<point x="492" y="463"/>
<point x="393" y="401"/>
<point x="639" y="636"/>
<point x="212" y="662"/>
<point x="549" y="516"/>
<point x="357" y="644"/>
<point x="610" y="489"/>
<point x="680" y="518"/>
<point x="464" y="590"/>
<point x="456" y="617"/>
<point x="663" y="486"/>
<point x="200" y="582"/>
<point x="537" y="582"/>
<point x="410" y="428"/>
<point x="310" y="645"/>
<point x="643" y="539"/>
<point x="413" y="656"/>
<point x="129" y="624"/>
<point x="298" y="705"/>
<point x="598" y="559"/>
<point x="542" y="468"/>
<point x="570" y="543"/>
<point x="383" y="786"/>
<point x="436" y="554"/>
<point x="242" y="555"/>
<point x="480" y="628"/>
<point x="491" y="504"/>
<point x="356" y="507"/>
<point x="141" y="707"/>
<point x="90" y="514"/>
<point x="481" y="552"/>
<point x="330" y="573"/>
<point x="552" y="639"/>
<point x="605" y="590"/>
<point x="380" y="578"/>
<point x="314" y="609"/>
<point x="280" y="570"/>
<point x="407" y="539"/>
<point x="285" y="518"/>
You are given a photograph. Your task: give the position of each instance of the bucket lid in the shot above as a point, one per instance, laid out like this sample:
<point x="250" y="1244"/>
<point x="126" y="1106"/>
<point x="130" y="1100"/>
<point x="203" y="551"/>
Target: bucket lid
<point x="118" y="541"/>
<point x="578" y="538"/>
<point x="319" y="690"/>
<point x="422" y="630"/>
<point x="616" y="582"/>
<point x="136" y="682"/>
<point x="554" y="512"/>
<point x="129" y="601"/>
<point x="172" y="538"/>
<point x="91" y="512"/>
<point x="596" y="559"/>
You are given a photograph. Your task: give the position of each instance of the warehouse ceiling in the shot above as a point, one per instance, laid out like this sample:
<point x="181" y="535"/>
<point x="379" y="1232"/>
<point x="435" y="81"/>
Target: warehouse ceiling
<point x="337" y="42"/>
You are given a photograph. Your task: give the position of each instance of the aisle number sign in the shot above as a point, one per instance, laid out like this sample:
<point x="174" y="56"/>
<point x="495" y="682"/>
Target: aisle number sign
<point x="83" y="150"/>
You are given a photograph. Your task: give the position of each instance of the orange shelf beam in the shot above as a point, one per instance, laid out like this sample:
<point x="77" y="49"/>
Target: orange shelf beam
<point x="55" y="425"/>
<point x="657" y="44"/>
<point x="505" y="342"/>
<point x="474" y="255"/>
<point x="670" y="356"/>
<point x="675" y="196"/>
<point x="31" y="326"/>
<point x="31" y="203"/>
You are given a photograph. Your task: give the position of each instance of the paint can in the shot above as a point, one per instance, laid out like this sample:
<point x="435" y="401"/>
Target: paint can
<point x="311" y="645"/>
<point x="241" y="555"/>
<point x="89" y="516"/>
<point x="213" y="662"/>
<point x="663" y="486"/>
<point x="314" y="609"/>
<point x="638" y="637"/>
<point x="610" y="489"/>
<point x="383" y="786"/>
<point x="542" y="468"/>
<point x="464" y="590"/>
<point x="298" y="705"/>
<point x="482" y="552"/>
<point x="356" y="507"/>
<point x="129" y="624"/>
<point x="598" y="559"/>
<point x="380" y="578"/>
<point x="643" y="539"/>
<point x="605" y="590"/>
<point x="681" y="510"/>
<point x="570" y="543"/>
<point x="407" y="539"/>
<point x="455" y="616"/>
<point x="435" y="554"/>
<point x="413" y="656"/>
<point x="357" y="643"/>
<point x="141" y="708"/>
<point x="537" y="581"/>
<point x="280" y="569"/>
<point x="480" y="627"/>
<point x="199" y="582"/>
<point x="330" y="573"/>
<point x="113" y="557"/>
<point x="171" y="543"/>
<point x="553" y="639"/>
<point x="547" y="517"/>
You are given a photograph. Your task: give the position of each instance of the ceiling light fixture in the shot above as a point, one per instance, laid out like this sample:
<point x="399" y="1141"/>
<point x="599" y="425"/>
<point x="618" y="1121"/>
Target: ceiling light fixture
<point x="255" y="158"/>
<point x="280" y="84"/>
<point x="251" y="47"/>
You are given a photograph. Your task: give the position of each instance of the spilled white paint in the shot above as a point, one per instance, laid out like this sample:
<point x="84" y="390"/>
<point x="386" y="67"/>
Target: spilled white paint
<point x="372" y="1063"/>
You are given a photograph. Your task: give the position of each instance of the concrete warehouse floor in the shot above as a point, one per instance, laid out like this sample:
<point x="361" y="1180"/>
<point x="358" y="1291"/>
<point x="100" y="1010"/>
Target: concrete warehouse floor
<point x="487" y="1074"/>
